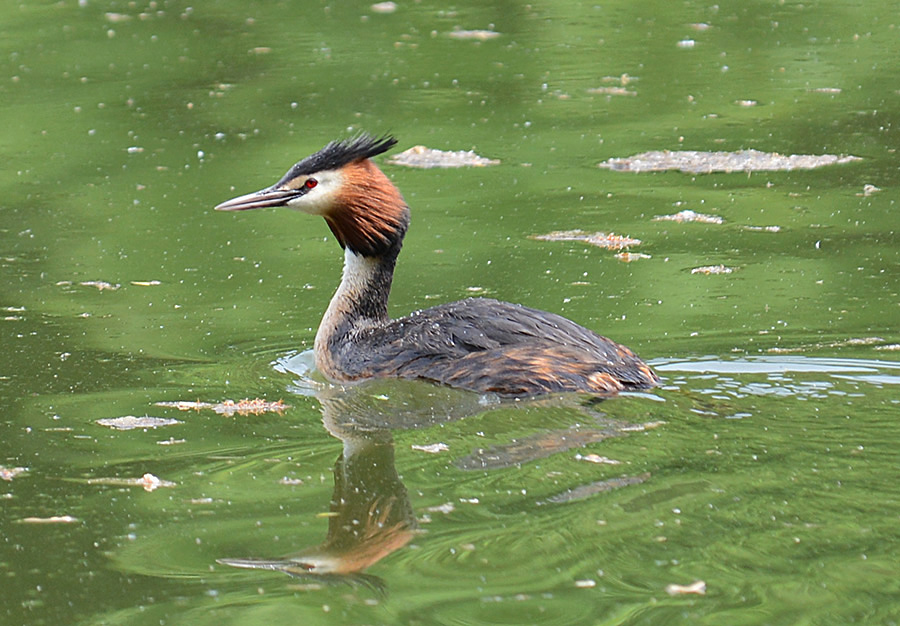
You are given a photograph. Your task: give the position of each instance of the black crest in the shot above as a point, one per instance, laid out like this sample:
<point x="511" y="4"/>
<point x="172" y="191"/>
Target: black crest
<point x="339" y="153"/>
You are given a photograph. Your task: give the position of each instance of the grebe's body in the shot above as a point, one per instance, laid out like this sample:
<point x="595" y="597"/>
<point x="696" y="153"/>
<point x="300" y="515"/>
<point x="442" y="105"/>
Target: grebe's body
<point x="479" y="344"/>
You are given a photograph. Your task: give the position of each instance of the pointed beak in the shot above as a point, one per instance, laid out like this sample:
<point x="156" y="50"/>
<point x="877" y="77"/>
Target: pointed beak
<point x="267" y="198"/>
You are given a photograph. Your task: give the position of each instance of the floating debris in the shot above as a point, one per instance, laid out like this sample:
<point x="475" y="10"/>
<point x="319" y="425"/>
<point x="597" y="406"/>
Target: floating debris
<point x="622" y="79"/>
<point x="427" y="158"/>
<point x="228" y="408"/>
<point x="612" y="91"/>
<point x="609" y="241"/>
<point x="101" y="285"/>
<point x="55" y="519"/>
<point x="639" y="428"/>
<point x="868" y="190"/>
<point x="447" y="507"/>
<point x="146" y="283"/>
<point x="628" y="257"/>
<point x="763" y="229"/>
<point x="171" y="441"/>
<point x="285" y="480"/>
<point x="148" y="482"/>
<point x="596" y="458"/>
<point x="746" y="103"/>
<point x="697" y="162"/>
<point x="712" y="269"/>
<point x="891" y="347"/>
<point x="130" y="422"/>
<point x="116" y="18"/>
<point x="431" y="448"/>
<point x="384" y="7"/>
<point x="686" y="43"/>
<point x="586" y="583"/>
<point x="474" y="35"/>
<point x="697" y="588"/>
<point x="689" y="216"/>
<point x="828" y="90"/>
<point x="8" y="473"/>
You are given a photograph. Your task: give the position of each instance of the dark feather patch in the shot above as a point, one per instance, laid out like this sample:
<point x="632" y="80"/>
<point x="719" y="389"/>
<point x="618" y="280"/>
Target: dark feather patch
<point x="490" y="346"/>
<point x="337" y="154"/>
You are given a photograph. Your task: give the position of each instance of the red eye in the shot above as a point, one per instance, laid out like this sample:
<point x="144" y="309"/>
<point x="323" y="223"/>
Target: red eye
<point x="310" y="183"/>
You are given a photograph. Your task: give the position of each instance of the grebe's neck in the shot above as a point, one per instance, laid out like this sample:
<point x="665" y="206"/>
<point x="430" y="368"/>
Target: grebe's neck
<point x="369" y="218"/>
<point x="359" y="303"/>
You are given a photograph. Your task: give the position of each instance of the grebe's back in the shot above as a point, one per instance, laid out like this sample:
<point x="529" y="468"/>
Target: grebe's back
<point x="491" y="346"/>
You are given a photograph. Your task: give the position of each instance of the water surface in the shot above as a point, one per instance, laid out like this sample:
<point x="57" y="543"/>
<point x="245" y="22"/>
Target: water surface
<point x="764" y="466"/>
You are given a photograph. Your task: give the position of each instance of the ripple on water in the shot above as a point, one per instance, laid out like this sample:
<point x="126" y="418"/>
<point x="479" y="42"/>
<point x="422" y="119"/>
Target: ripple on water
<point x="784" y="376"/>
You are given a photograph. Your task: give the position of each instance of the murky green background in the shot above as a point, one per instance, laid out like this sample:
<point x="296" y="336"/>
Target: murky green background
<point x="770" y="472"/>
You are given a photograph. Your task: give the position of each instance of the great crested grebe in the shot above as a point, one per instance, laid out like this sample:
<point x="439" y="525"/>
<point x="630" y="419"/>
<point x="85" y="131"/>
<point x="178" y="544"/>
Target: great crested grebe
<point x="479" y="343"/>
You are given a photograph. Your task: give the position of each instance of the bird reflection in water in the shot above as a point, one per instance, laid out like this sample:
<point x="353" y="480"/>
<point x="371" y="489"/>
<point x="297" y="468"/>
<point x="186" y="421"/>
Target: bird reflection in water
<point x="371" y="515"/>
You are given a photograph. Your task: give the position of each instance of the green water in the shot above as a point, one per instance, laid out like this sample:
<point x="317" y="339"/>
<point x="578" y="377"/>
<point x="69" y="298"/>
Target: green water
<point x="766" y="465"/>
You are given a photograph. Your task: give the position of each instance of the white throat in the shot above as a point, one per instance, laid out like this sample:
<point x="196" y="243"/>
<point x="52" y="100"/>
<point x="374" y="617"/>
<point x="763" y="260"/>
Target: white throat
<point x="358" y="277"/>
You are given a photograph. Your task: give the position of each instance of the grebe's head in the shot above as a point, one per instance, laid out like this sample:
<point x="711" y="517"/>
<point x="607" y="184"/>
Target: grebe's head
<point x="363" y="208"/>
